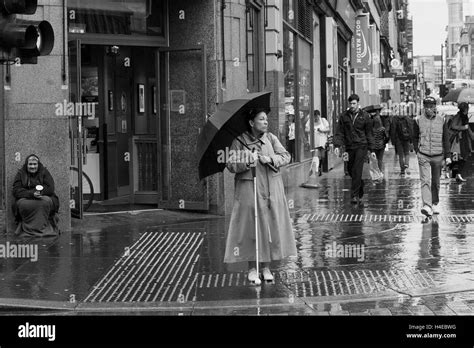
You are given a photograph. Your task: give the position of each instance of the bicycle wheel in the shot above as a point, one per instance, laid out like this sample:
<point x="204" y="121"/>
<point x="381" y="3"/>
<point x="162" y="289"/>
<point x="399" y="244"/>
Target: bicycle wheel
<point x="87" y="191"/>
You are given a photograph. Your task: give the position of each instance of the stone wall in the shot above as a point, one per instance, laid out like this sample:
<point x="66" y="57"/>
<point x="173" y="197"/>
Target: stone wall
<point x="31" y="123"/>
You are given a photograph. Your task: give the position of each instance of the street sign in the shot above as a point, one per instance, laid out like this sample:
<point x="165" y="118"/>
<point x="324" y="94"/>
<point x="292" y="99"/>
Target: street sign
<point x="395" y="63"/>
<point x="405" y="77"/>
<point x="385" y="83"/>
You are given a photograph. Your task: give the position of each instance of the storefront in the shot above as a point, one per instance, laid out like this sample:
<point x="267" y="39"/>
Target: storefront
<point x="298" y="77"/>
<point x="146" y="94"/>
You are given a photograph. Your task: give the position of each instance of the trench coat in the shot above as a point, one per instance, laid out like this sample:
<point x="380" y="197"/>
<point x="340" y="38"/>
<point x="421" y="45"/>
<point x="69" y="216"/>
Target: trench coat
<point x="276" y="236"/>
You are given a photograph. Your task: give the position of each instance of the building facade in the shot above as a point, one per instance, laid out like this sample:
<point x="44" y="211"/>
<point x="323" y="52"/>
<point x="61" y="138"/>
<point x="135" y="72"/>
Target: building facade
<point x="130" y="84"/>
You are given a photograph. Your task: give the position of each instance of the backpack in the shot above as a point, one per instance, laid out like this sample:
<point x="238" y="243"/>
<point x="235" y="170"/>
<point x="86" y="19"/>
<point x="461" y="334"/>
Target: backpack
<point x="404" y="129"/>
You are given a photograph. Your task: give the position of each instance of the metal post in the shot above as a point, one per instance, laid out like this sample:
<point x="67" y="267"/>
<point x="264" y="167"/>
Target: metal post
<point x="442" y="59"/>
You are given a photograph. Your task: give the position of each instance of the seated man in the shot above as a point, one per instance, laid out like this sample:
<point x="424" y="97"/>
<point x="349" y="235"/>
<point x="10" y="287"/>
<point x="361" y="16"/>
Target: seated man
<point x="36" y="204"/>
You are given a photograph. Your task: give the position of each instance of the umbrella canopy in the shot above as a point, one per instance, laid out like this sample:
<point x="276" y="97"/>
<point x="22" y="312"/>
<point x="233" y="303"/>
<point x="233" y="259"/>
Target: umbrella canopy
<point x="373" y="108"/>
<point x="460" y="95"/>
<point x="227" y="123"/>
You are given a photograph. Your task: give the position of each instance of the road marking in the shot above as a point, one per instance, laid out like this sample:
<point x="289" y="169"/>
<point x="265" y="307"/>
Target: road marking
<point x="116" y="267"/>
<point x="340" y="283"/>
<point x="317" y="282"/>
<point x="195" y="263"/>
<point x="192" y="249"/>
<point x="354" y="282"/>
<point x="332" y="283"/>
<point x="146" y="278"/>
<point x="325" y="284"/>
<point x="169" y="260"/>
<point x="347" y="283"/>
<point x="115" y="286"/>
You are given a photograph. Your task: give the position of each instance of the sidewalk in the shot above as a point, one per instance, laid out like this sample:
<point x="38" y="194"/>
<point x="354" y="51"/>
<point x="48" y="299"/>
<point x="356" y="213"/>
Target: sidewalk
<point x="168" y="262"/>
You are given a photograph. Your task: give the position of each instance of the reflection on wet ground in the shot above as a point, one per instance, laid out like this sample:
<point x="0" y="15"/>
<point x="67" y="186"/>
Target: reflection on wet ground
<point x="379" y="258"/>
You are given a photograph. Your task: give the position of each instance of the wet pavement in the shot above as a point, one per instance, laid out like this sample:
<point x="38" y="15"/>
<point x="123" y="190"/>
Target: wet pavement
<point x="379" y="258"/>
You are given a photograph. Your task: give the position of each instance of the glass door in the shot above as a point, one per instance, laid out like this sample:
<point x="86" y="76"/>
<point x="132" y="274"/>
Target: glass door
<point x="75" y="130"/>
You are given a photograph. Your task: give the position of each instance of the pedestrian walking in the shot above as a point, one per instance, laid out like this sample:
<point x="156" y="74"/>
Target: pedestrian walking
<point x="460" y="140"/>
<point x="380" y="133"/>
<point x="354" y="135"/>
<point x="320" y="131"/>
<point x="275" y="233"/>
<point x="401" y="135"/>
<point x="291" y="136"/>
<point x="431" y="143"/>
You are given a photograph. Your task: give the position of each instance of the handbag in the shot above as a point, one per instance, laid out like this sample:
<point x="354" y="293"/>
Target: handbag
<point x="455" y="146"/>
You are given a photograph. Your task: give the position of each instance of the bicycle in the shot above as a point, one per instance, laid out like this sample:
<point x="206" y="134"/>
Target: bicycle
<point x="87" y="191"/>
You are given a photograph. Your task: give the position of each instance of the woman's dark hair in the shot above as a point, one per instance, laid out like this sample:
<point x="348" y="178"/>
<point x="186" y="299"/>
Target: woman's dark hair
<point x="463" y="106"/>
<point x="252" y="113"/>
<point x="316" y="113"/>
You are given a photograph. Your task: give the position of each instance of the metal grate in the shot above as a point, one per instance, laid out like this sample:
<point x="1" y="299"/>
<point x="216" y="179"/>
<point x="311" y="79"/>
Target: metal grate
<point x="305" y="19"/>
<point x="383" y="218"/>
<point x="158" y="267"/>
<point x="339" y="283"/>
<point x="331" y="282"/>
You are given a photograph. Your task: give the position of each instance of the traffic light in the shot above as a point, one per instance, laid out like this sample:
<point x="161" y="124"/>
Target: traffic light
<point x="22" y="41"/>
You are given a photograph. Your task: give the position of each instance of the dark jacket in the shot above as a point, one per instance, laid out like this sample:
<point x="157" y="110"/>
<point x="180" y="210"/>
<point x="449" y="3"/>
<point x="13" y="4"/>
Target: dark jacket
<point x="395" y="129"/>
<point x="25" y="183"/>
<point x="457" y="133"/>
<point x="380" y="138"/>
<point x="354" y="134"/>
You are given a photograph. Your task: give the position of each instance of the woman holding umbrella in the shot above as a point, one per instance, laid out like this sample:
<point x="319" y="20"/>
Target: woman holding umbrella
<point x="266" y="212"/>
<point x="461" y="141"/>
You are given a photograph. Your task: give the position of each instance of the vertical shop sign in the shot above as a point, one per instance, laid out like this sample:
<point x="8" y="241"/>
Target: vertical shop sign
<point x="361" y="46"/>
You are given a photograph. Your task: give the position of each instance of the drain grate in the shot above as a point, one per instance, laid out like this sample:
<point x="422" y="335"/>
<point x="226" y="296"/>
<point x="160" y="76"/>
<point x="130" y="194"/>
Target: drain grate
<point x="158" y="267"/>
<point x="383" y="218"/>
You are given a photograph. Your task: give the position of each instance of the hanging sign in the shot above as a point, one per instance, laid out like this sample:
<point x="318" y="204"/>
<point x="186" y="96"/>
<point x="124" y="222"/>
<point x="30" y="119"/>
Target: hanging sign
<point x="361" y="50"/>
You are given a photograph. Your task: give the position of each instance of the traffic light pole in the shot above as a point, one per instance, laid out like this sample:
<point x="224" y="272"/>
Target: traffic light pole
<point x="2" y="144"/>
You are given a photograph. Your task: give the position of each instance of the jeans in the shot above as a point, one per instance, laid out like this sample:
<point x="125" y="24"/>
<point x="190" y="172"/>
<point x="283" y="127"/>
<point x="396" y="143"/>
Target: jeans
<point x="355" y="167"/>
<point x="430" y="175"/>
<point x="379" y="154"/>
<point x="403" y="150"/>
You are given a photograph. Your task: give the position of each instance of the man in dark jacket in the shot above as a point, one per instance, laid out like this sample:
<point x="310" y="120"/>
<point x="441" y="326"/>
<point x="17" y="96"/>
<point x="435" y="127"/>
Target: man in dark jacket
<point x="354" y="134"/>
<point x="401" y="134"/>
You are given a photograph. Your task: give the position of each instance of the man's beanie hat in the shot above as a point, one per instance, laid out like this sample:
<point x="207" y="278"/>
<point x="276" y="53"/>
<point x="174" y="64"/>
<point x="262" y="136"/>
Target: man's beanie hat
<point x="429" y="101"/>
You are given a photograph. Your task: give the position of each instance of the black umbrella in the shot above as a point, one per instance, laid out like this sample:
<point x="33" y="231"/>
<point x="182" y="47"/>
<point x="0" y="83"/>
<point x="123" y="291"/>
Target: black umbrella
<point x="373" y="108"/>
<point x="225" y="125"/>
<point x="460" y="95"/>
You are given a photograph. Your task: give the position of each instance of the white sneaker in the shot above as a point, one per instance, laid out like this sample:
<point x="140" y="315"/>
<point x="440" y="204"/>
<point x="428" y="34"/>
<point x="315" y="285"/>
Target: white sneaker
<point x="267" y="275"/>
<point x="426" y="210"/>
<point x="253" y="275"/>
<point x="435" y="209"/>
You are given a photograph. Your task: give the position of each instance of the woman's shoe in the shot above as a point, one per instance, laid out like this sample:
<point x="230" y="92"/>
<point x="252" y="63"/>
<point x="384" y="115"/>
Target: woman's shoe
<point x="459" y="178"/>
<point x="267" y="275"/>
<point x="253" y="275"/>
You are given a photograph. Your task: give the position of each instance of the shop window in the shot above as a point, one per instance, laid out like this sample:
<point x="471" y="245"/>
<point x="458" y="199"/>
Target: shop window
<point x="304" y="101"/>
<point x="124" y="17"/>
<point x="289" y="12"/>
<point x="255" y="47"/>
<point x="305" y="19"/>
<point x="290" y="90"/>
<point x="297" y="47"/>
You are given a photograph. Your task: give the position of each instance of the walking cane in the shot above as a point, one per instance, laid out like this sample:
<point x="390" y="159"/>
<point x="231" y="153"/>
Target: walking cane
<point x="254" y="174"/>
